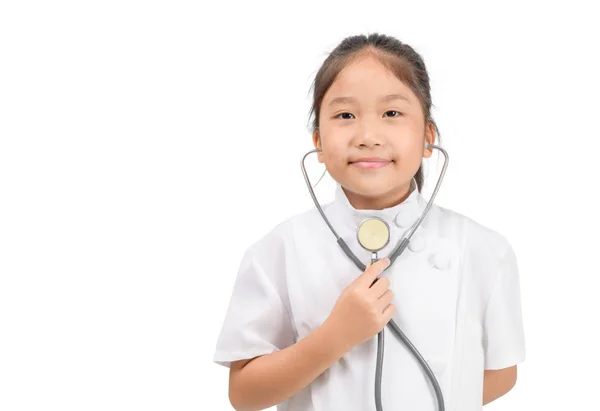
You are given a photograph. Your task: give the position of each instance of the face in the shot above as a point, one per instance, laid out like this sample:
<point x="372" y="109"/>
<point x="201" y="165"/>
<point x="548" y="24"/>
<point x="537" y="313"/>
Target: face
<point x="372" y="134"/>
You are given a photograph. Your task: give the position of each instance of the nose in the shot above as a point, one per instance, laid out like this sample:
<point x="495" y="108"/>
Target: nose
<point x="368" y="133"/>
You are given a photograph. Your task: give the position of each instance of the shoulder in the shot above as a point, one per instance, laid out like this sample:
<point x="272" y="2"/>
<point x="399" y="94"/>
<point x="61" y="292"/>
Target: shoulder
<point x="485" y="255"/>
<point x="472" y="235"/>
<point x="285" y="234"/>
<point x="273" y="253"/>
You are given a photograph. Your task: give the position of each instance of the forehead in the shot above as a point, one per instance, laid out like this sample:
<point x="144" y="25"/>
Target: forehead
<point x="366" y="78"/>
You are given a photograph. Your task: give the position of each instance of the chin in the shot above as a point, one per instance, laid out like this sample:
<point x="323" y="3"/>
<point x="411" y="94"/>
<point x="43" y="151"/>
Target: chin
<point x="368" y="190"/>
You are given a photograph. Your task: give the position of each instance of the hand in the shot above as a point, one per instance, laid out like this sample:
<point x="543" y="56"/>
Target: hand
<point x="363" y="308"/>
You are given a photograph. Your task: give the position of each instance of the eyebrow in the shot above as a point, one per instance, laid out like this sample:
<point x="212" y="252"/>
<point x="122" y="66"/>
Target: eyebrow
<point x="389" y="97"/>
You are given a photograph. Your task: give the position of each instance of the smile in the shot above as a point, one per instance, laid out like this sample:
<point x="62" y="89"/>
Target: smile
<point x="371" y="163"/>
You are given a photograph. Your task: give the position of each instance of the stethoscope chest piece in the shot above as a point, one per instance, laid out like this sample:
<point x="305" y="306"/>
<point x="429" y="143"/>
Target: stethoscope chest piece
<point x="373" y="234"/>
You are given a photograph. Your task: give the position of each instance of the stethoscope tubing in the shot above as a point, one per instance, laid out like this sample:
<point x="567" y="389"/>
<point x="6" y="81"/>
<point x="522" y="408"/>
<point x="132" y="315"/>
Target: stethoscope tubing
<point x="393" y="256"/>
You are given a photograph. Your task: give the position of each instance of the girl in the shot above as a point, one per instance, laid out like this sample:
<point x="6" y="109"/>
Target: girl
<point x="300" y="327"/>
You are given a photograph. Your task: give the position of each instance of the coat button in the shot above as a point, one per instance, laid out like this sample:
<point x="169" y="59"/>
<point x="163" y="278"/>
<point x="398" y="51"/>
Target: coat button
<point x="416" y="243"/>
<point x="403" y="219"/>
<point x="440" y="261"/>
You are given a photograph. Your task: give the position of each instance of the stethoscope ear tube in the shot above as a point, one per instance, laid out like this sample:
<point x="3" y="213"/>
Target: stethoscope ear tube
<point x="350" y="254"/>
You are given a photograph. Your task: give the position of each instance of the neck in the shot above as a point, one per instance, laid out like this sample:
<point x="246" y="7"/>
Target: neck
<point x="388" y="200"/>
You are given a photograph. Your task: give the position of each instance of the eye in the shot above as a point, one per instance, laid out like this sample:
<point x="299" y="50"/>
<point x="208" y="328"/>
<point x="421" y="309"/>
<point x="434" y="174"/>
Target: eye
<point x="396" y="113"/>
<point x="345" y="118"/>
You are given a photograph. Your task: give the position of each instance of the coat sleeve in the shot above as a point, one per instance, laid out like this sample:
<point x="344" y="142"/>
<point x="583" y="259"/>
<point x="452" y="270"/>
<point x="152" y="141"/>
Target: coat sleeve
<point x="504" y="340"/>
<point x="257" y="321"/>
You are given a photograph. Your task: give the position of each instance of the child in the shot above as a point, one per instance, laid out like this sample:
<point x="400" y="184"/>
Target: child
<point x="300" y="327"/>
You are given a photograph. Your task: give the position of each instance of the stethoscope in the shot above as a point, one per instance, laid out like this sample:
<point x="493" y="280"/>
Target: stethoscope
<point x="373" y="234"/>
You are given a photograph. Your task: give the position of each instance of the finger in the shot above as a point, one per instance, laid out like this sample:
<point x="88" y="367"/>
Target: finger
<point x="388" y="313"/>
<point x="373" y="270"/>
<point x="381" y="285"/>
<point x="385" y="300"/>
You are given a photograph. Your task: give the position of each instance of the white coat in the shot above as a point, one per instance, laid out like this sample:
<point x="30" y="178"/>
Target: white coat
<point x="457" y="296"/>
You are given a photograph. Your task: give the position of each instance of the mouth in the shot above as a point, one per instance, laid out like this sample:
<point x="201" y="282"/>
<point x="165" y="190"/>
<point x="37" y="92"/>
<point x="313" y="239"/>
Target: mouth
<point x="368" y="163"/>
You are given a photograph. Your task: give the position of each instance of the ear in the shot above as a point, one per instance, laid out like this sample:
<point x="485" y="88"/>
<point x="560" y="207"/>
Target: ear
<point x="317" y="143"/>
<point x="429" y="138"/>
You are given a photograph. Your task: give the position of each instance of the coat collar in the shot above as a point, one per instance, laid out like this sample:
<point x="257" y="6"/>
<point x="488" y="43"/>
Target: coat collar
<point x="401" y="215"/>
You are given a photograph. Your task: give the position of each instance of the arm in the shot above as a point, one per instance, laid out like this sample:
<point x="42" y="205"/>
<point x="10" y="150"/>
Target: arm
<point x="504" y="338"/>
<point x="496" y="383"/>
<point x="265" y="381"/>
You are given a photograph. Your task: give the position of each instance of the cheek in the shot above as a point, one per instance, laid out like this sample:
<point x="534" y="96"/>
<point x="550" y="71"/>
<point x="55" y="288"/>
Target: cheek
<point x="333" y="146"/>
<point x="410" y="152"/>
<point x="332" y="155"/>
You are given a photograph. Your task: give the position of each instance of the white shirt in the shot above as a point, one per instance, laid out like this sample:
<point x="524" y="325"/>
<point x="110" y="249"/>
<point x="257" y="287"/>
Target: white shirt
<point x="456" y="291"/>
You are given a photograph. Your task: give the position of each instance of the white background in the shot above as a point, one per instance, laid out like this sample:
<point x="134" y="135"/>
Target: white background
<point x="146" y="145"/>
